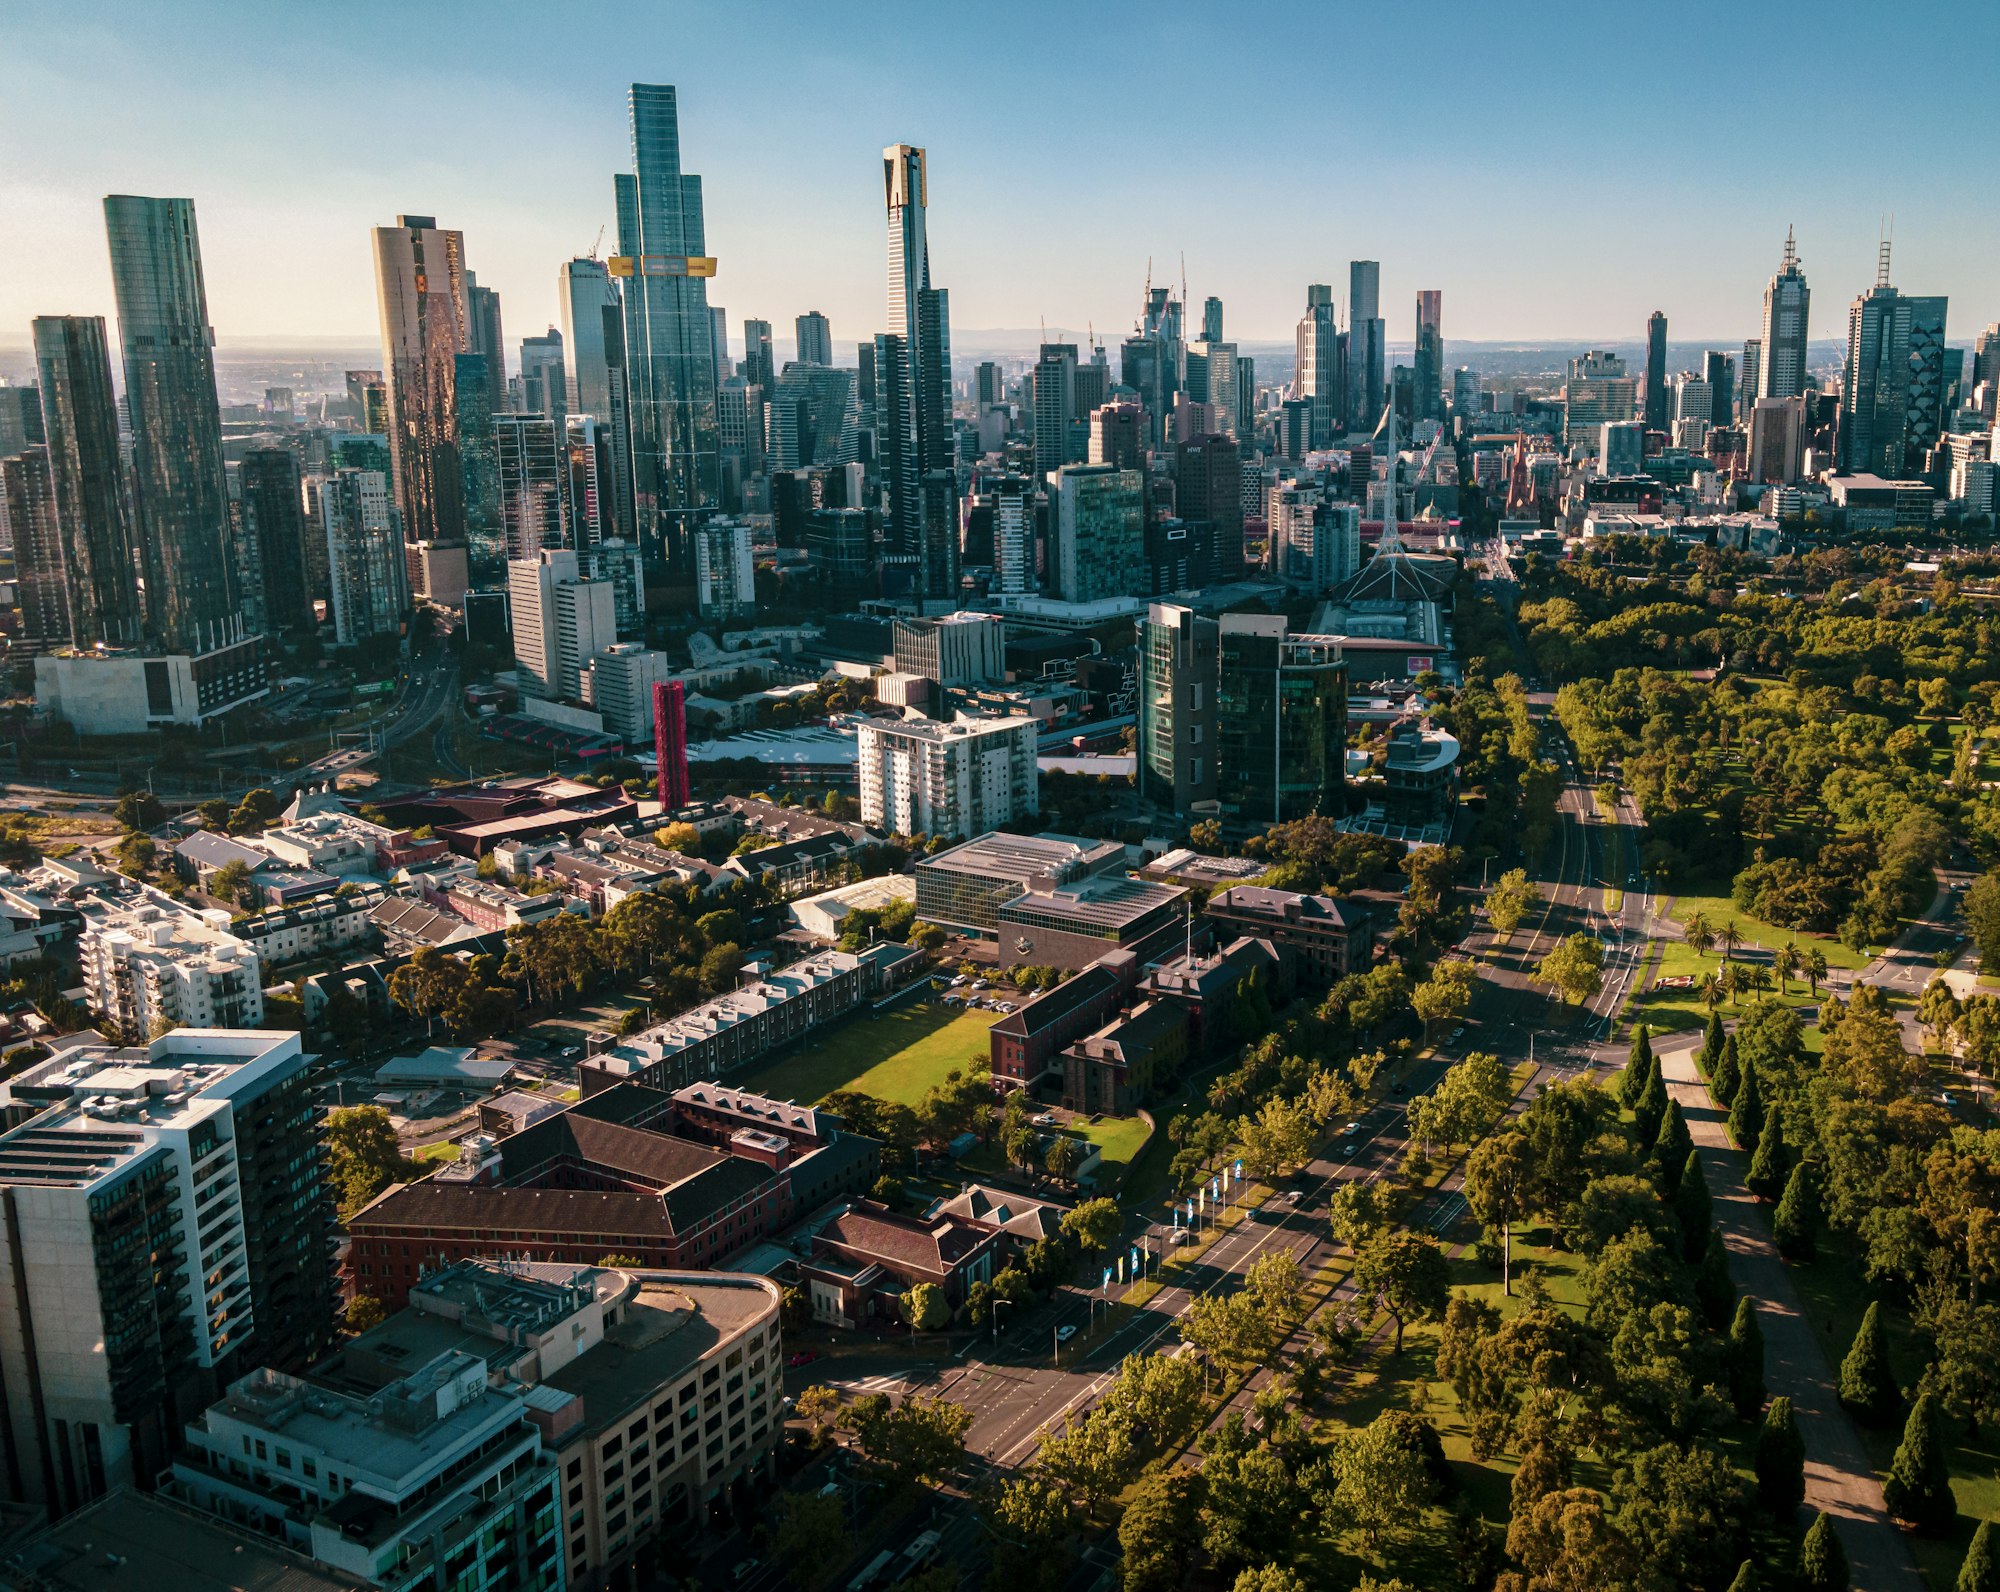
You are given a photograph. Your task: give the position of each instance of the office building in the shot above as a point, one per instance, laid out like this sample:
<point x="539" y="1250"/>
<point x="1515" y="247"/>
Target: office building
<point x="485" y="337"/>
<point x="560" y="620"/>
<point x="815" y="338"/>
<point x="1329" y="938"/>
<point x="180" y="493"/>
<point x="1367" y="346"/>
<point x="1930" y="385"/>
<point x="1694" y="400"/>
<point x="1177" y="663"/>
<point x="1778" y="441"/>
<point x="529" y="469"/>
<point x="1621" y="448"/>
<point x="544" y="378"/>
<point x="34" y="533"/>
<point x="1014" y="564"/>
<point x="1875" y="380"/>
<point x="1596" y="393"/>
<point x="670" y="745"/>
<point x="725" y="578"/>
<point x="1281" y="716"/>
<point x="759" y="364"/>
<point x="1320" y="350"/>
<point x="1719" y="371"/>
<point x="1057" y="426"/>
<point x="1429" y="367"/>
<point x="479" y="464"/>
<point x="21" y="422"/>
<point x="958" y="779"/>
<point x="365" y="560"/>
<point x="167" y="1221"/>
<point x="1465" y="391"/>
<point x="622" y="680"/>
<point x="420" y="283"/>
<point x="129" y="693"/>
<point x="1100" y="548"/>
<point x="1118" y="436"/>
<point x="813" y="418"/>
<point x="274" y="522"/>
<point x="1208" y="489"/>
<point x="664" y="264"/>
<point x="1787" y="306"/>
<point x="1751" y="376"/>
<point x="920" y="465"/>
<point x="957" y="649"/>
<point x="79" y="413"/>
<point x="1655" y="414"/>
<point x="1315" y="543"/>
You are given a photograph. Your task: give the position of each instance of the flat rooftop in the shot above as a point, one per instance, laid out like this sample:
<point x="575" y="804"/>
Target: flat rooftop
<point x="1028" y="859"/>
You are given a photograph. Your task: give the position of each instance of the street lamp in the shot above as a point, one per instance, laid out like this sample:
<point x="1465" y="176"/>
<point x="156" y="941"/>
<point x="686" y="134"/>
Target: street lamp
<point x="997" y="1304"/>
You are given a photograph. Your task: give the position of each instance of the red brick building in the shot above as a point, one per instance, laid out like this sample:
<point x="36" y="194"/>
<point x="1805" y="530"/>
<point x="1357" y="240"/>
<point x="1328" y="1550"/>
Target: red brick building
<point x="1026" y="1043"/>
<point x="867" y="1255"/>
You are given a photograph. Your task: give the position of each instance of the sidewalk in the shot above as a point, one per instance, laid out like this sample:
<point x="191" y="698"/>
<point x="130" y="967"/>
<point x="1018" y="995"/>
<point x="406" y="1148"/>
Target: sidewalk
<point x="1840" y="1481"/>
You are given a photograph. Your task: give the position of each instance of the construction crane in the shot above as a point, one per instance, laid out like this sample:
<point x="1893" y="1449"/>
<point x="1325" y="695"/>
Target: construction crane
<point x="598" y="244"/>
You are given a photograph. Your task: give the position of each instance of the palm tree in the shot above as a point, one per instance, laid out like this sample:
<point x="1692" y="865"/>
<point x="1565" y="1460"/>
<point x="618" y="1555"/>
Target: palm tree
<point x="1755" y="978"/>
<point x="1731" y="980"/>
<point x="1699" y="934"/>
<point x="1787" y="963"/>
<point x="1710" y="988"/>
<point x="1731" y="937"/>
<point x="1815" y="965"/>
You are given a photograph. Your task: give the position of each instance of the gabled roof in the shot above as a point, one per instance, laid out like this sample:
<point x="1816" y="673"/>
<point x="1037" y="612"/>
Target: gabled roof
<point x="937" y="1246"/>
<point x="1019" y="1214"/>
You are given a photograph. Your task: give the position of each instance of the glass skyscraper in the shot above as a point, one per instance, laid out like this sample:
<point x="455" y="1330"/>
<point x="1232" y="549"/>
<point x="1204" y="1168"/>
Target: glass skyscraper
<point x="1429" y="376"/>
<point x="1787" y="304"/>
<point x="923" y="524"/>
<point x="180" y="491"/>
<point x="80" y="411"/>
<point x="669" y="335"/>
<point x="274" y="523"/>
<point x="1281" y="723"/>
<point x="420" y="282"/>
<point x="1177" y="653"/>
<point x="1367" y="345"/>
<point x="1875" y="382"/>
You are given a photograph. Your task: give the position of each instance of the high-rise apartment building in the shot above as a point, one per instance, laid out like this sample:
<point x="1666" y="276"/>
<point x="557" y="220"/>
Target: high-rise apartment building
<point x="1014" y="563"/>
<point x="1057" y="431"/>
<point x="622" y="678"/>
<point x="1118" y="436"/>
<point x="1787" y="306"/>
<point x="274" y="522"/>
<point x="99" y="572"/>
<point x="1100" y="547"/>
<point x="1719" y="371"/>
<point x="1751" y="378"/>
<point x="956" y="780"/>
<point x="1281" y="717"/>
<point x="420" y="283"/>
<point x="1655" y="414"/>
<point x="34" y="532"/>
<point x="1211" y="319"/>
<point x="812" y="417"/>
<point x="1177" y="675"/>
<point x="529" y="476"/>
<point x="560" y="621"/>
<point x="955" y="650"/>
<point x="759" y="364"/>
<point x="544" y="378"/>
<point x="725" y="577"/>
<point x="815" y="338"/>
<point x="924" y="456"/>
<point x="485" y="336"/>
<point x="1778" y="440"/>
<point x="1429" y="365"/>
<point x="21" y="415"/>
<point x="1367" y="346"/>
<point x="1875" y="380"/>
<point x="166" y="1219"/>
<point x="1208" y="487"/>
<point x="180" y="492"/>
<point x="479" y="467"/>
<point x="718" y="341"/>
<point x="669" y="334"/>
<point x="367" y="568"/>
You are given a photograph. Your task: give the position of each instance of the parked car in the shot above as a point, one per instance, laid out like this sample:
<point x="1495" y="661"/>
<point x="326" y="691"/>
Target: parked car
<point x="1064" y="1333"/>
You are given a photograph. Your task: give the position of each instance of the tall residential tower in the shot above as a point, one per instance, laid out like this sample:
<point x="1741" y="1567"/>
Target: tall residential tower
<point x="1787" y="301"/>
<point x="920" y="464"/>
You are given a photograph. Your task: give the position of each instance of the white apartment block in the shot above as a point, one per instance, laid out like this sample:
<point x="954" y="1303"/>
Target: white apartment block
<point x="960" y="779"/>
<point x="365" y="561"/>
<point x="622" y="678"/>
<point x="561" y="621"/>
<point x="725" y="578"/>
<point x="148" y="960"/>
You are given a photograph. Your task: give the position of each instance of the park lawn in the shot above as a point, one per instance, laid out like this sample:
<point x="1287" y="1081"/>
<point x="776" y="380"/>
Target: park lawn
<point x="1120" y="1139"/>
<point x="897" y="1056"/>
<point x="1755" y="931"/>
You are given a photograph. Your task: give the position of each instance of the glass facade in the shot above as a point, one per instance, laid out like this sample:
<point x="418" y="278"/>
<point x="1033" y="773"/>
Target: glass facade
<point x="479" y="468"/>
<point x="923" y="522"/>
<point x="274" y="520"/>
<point x="80" y="412"/>
<point x="420" y="282"/>
<point x="1281" y="723"/>
<point x="181" y="493"/>
<point x="1177" y="660"/>
<point x="1100" y="540"/>
<point x="669" y="336"/>
<point x="528" y="465"/>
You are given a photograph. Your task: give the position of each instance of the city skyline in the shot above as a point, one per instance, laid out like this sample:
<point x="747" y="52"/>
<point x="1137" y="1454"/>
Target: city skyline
<point x="1471" y="205"/>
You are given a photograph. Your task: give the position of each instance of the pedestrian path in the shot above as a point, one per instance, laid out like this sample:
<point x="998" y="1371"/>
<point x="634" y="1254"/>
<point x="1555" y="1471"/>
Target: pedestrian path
<point x="1840" y="1480"/>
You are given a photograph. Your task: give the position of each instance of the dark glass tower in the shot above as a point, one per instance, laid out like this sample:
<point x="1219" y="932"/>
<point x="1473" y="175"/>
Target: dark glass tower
<point x="1429" y="375"/>
<point x="920" y="318"/>
<point x="1656" y="372"/>
<point x="1281" y="723"/>
<point x="73" y="365"/>
<point x="41" y="583"/>
<point x="669" y="334"/>
<point x="180" y="491"/>
<point x="275" y="521"/>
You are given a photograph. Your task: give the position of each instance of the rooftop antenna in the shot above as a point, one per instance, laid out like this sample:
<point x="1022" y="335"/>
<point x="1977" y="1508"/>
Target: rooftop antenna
<point x="1184" y="291"/>
<point x="1882" y="252"/>
<point x="1791" y="249"/>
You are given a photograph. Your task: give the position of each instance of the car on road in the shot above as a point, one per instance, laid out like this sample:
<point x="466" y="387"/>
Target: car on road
<point x="1457" y="1034"/>
<point x="1347" y="1150"/>
<point x="1350" y="1130"/>
<point x="1181" y="1236"/>
<point x="1293" y="1196"/>
<point x="745" y="1568"/>
<point x="1064" y="1333"/>
<point x="803" y="1357"/>
<point x="571" y="1053"/>
<point x="1046" y="1120"/>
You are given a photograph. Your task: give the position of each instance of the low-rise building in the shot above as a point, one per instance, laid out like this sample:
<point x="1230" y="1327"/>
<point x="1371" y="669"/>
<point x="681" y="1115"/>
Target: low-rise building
<point x="1329" y="938"/>
<point x="146" y="960"/>
<point x="1025" y="1043"/>
<point x="866" y="1256"/>
<point x="821" y="915"/>
<point x="312" y="928"/>
<point x="1215" y="989"/>
<point x="1017" y="1219"/>
<point x="1116" y="1069"/>
<point x="795" y="867"/>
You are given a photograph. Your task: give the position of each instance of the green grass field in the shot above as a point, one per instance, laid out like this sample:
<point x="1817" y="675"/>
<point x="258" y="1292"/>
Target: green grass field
<point x="1672" y="1010"/>
<point x="1121" y="1139"/>
<point x="895" y="1057"/>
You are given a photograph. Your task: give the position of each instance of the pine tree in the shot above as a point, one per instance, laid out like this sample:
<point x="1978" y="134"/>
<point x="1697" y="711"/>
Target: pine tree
<point x="1639" y="1069"/>
<point x="1981" y="1570"/>
<point x="1746" y="1112"/>
<point x="1671" y="1147"/>
<point x="1796" y="1224"/>
<point x="1918" y="1487"/>
<point x="1743" y="1360"/>
<point x="1651" y="1109"/>
<point x="1713" y="1291"/>
<point x="1867" y="1384"/>
<point x="1711" y="1046"/>
<point x="1693" y="1210"/>
<point x="1781" y="1461"/>
<point x="1822" y="1559"/>
<point x="1727" y="1075"/>
<point x="1746" y="1579"/>
<point x="1770" y="1164"/>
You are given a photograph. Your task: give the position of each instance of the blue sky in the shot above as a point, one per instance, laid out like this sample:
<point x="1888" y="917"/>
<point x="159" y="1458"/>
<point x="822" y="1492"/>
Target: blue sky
<point x="1559" y="171"/>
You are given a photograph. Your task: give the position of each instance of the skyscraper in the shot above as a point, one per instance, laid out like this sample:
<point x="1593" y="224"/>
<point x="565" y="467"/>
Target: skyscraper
<point x="1655" y="413"/>
<point x="718" y="342"/>
<point x="1281" y="723"/>
<point x="528" y="460"/>
<point x="1211" y="319"/>
<point x="669" y="334"/>
<point x="1719" y="371"/>
<point x="545" y="376"/>
<point x="274" y="521"/>
<point x="1208" y="487"/>
<point x="1928" y="382"/>
<point x="41" y="580"/>
<point x="920" y="315"/>
<point x="180" y="492"/>
<point x="815" y="338"/>
<point x="420" y="282"/>
<point x="367" y="571"/>
<point x="1055" y="408"/>
<point x="1177" y="651"/>
<point x="478" y="469"/>
<point x="586" y="290"/>
<point x="1100" y="551"/>
<point x="1367" y="346"/>
<point x="1429" y="364"/>
<point x="1014" y="572"/>
<point x="80" y="416"/>
<point x="1321" y="377"/>
<point x="1875" y="380"/>
<point x="483" y="335"/>
<point x="561" y="621"/>
<point x="1751" y="378"/>
<point x="1787" y="303"/>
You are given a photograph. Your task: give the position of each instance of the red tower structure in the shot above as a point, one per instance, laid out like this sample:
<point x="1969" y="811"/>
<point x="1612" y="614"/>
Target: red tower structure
<point x="670" y="744"/>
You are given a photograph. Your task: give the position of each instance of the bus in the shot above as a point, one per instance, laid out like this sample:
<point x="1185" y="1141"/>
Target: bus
<point x="919" y="1555"/>
<point x="873" y="1573"/>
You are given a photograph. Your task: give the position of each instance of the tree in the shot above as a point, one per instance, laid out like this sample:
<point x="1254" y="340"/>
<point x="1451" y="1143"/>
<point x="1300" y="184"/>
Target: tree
<point x="1727" y="1078"/>
<point x="1651" y="1110"/>
<point x="1746" y="1112"/>
<point x="1769" y="1166"/>
<point x="363" y="1312"/>
<point x="820" y="1405"/>
<point x="1711" y="1046"/>
<point x="1796" y="1224"/>
<point x="430" y="981"/>
<point x="1699" y="934"/>
<point x="1822" y="1559"/>
<point x="924" y="1308"/>
<point x="1780" y="1461"/>
<point x="1743" y="1360"/>
<point x="1714" y="1293"/>
<point x="1510" y="900"/>
<point x="139" y="810"/>
<point x="1867" y="1384"/>
<point x="231" y="883"/>
<point x="1380" y="1481"/>
<point x="1981" y="1570"/>
<point x="810" y="1535"/>
<point x="1672" y="1146"/>
<point x="1574" y="969"/>
<point x="1499" y="1183"/>
<point x="1444" y="996"/>
<point x="1565" y="1540"/>
<point x="1692" y="1209"/>
<point x="1786" y="963"/>
<point x="683" y="838"/>
<point x="1032" y="1521"/>
<point x="1091" y="1456"/>
<point x="1918" y="1486"/>
<point x="1729" y="937"/>
<point x="1159" y="1532"/>
<point x="1746" y="1578"/>
<point x="1815" y="969"/>
<point x="1680" y="1507"/>
<point x="921" y="1440"/>
<point x="1982" y="916"/>
<point x="1268" y="1578"/>
<point x="1094" y="1225"/>
<point x="1359" y="1210"/>
<point x="363" y="1155"/>
<point x="1406" y="1274"/>
<point x="1063" y="1156"/>
<point x="1639" y="1069"/>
